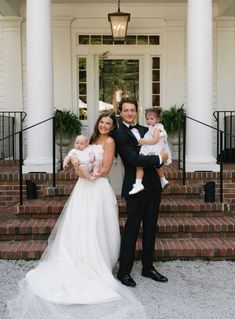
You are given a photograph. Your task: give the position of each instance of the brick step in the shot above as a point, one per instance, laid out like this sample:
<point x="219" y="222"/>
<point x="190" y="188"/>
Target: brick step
<point x="168" y="227"/>
<point x="174" y="190"/>
<point x="206" y="248"/>
<point x="44" y="208"/>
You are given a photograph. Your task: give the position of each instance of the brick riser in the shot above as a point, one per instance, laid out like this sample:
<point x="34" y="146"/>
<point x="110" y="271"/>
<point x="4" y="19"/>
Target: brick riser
<point x="187" y="228"/>
<point x="164" y="249"/>
<point x="168" y="208"/>
<point x="184" y="227"/>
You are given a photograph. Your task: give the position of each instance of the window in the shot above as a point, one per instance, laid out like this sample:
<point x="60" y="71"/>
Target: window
<point x="82" y="88"/>
<point x="86" y="39"/>
<point x="156" y="81"/>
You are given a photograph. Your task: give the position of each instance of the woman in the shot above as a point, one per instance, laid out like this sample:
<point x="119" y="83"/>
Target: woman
<point x="74" y="276"/>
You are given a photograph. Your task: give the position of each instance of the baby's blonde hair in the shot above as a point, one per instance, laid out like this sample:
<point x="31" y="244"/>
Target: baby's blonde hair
<point x="82" y="138"/>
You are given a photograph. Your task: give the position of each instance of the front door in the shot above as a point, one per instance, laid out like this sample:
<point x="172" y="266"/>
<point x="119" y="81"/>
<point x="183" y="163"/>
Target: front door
<point x="117" y="78"/>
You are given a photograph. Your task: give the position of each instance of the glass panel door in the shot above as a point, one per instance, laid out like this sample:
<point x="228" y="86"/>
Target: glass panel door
<point x="117" y="78"/>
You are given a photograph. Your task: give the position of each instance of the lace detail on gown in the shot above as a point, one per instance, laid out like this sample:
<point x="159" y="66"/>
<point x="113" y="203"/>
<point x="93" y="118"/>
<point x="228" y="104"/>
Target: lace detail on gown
<point x="73" y="278"/>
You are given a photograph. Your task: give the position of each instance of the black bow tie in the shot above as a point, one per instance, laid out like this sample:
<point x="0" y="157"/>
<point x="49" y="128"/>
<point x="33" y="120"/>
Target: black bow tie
<point x="133" y="126"/>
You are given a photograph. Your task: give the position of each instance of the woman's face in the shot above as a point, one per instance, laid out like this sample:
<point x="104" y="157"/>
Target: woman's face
<point x="105" y="125"/>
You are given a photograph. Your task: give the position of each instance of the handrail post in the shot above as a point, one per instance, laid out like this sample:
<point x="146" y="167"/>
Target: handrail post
<point x="221" y="166"/>
<point x="54" y="150"/>
<point x="21" y="164"/>
<point x="184" y="148"/>
<point x="179" y="136"/>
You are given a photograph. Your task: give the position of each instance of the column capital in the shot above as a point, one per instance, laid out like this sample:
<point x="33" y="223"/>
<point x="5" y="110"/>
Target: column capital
<point x="176" y="23"/>
<point x="62" y="22"/>
<point x="11" y="23"/>
<point x="225" y="22"/>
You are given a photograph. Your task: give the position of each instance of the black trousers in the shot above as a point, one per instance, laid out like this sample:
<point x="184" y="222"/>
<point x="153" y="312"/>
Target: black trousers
<point x="144" y="207"/>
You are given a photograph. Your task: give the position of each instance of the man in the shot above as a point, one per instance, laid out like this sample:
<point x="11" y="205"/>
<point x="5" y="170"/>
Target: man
<point x="143" y="206"/>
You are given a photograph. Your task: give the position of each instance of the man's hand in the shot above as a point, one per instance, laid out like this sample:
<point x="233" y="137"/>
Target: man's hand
<point x="164" y="156"/>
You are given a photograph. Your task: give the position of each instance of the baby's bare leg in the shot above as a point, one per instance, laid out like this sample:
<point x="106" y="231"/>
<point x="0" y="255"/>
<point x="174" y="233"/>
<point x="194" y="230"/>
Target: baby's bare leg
<point x="96" y="168"/>
<point x="84" y="172"/>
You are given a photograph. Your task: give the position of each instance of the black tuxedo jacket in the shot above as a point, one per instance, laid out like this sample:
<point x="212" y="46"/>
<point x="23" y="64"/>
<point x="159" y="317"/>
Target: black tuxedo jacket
<point x="128" y="149"/>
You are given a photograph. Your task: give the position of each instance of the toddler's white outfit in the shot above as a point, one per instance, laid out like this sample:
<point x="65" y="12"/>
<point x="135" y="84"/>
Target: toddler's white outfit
<point x="154" y="149"/>
<point x="161" y="145"/>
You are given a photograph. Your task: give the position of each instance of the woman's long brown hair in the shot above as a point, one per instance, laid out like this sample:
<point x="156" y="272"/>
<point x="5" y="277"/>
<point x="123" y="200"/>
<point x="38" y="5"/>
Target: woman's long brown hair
<point x="96" y="133"/>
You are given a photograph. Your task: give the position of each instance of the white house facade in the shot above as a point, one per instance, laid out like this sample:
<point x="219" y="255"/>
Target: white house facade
<point x="60" y="55"/>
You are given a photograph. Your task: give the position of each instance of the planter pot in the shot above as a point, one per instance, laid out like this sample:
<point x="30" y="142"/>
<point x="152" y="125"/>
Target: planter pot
<point x="173" y="140"/>
<point x="65" y="141"/>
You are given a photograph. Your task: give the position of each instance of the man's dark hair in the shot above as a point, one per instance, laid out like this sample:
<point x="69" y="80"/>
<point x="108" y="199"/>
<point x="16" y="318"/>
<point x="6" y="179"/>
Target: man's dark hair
<point x="128" y="99"/>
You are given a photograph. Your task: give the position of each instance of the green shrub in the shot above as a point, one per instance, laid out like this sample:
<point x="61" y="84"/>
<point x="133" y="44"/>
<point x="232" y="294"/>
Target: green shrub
<point x="67" y="123"/>
<point x="170" y="119"/>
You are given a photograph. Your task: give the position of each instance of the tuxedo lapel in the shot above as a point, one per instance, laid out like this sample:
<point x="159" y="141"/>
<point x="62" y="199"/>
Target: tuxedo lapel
<point x="142" y="130"/>
<point x="131" y="136"/>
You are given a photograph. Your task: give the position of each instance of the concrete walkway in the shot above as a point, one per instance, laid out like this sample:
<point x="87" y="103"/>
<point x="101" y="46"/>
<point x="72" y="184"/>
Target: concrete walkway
<point x="196" y="289"/>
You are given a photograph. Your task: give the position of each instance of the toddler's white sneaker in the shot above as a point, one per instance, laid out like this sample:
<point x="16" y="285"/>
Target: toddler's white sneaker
<point x="164" y="182"/>
<point x="136" y="189"/>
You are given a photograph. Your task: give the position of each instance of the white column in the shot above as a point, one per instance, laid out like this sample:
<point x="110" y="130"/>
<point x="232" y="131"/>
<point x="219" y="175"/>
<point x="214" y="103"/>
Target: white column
<point x="39" y="86"/>
<point x="12" y="64"/>
<point x="225" y="73"/>
<point x="62" y="63"/>
<point x="199" y="149"/>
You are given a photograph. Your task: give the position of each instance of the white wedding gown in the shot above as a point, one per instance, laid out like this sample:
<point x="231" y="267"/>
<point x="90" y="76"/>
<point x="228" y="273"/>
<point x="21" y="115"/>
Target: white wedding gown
<point x="74" y="276"/>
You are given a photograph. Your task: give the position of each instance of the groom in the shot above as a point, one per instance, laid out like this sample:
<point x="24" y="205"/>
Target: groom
<point x="143" y="206"/>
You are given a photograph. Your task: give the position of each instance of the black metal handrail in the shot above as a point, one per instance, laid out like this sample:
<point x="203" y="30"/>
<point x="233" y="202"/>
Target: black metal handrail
<point x="226" y="119"/>
<point x="20" y="132"/>
<point x="10" y="122"/>
<point x="220" y="148"/>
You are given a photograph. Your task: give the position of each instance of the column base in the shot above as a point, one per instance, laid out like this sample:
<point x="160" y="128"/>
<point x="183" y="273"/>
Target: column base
<point x="38" y="165"/>
<point x="201" y="163"/>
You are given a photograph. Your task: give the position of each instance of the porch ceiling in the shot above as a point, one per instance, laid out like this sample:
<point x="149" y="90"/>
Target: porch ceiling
<point x="11" y="7"/>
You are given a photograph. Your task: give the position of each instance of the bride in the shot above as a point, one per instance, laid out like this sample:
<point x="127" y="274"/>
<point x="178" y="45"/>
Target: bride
<point x="73" y="278"/>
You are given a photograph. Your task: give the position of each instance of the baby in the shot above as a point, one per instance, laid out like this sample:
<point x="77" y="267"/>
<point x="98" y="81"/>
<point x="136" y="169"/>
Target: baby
<point x="82" y="155"/>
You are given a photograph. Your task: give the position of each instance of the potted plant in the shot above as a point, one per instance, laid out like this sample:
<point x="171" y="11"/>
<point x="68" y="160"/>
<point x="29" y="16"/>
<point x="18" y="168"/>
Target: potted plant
<point x="170" y="119"/>
<point x="67" y="126"/>
<point x="173" y="123"/>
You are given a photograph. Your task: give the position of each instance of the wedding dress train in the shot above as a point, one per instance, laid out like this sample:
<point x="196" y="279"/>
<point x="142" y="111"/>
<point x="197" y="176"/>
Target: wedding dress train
<point x="73" y="279"/>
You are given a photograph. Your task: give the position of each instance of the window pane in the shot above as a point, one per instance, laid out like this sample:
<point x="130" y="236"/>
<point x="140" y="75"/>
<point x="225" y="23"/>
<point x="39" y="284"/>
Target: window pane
<point x="119" y="42"/>
<point x="156" y="100"/>
<point x="82" y="107"/>
<point x="156" y="63"/>
<point x="142" y="39"/>
<point x="96" y="39"/>
<point x="107" y="39"/>
<point x="131" y="39"/>
<point x="156" y="75"/>
<point x="83" y="39"/>
<point x="154" y="39"/>
<point x="156" y="88"/>
<point x="82" y="88"/>
<point x="82" y="76"/>
<point x="82" y="63"/>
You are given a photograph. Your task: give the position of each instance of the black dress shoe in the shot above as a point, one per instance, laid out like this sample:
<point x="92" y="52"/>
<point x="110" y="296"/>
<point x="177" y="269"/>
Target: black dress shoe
<point x="155" y="275"/>
<point x="126" y="280"/>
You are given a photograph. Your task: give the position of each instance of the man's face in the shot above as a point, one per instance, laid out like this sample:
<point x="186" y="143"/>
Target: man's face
<point x="128" y="113"/>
